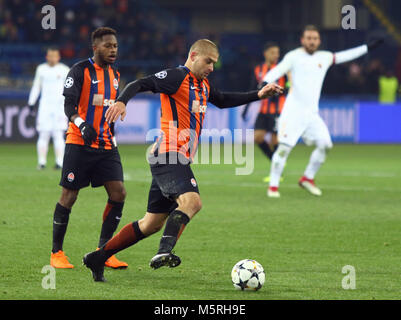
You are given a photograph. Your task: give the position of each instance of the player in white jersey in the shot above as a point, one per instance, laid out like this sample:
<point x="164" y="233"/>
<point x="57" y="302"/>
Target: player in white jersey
<point x="300" y="115"/>
<point x="51" y="120"/>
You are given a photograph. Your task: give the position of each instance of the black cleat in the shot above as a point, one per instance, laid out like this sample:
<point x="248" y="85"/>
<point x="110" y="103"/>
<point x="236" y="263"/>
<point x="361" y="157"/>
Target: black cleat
<point x="57" y="167"/>
<point x="95" y="263"/>
<point x="165" y="259"/>
<point x="41" y="167"/>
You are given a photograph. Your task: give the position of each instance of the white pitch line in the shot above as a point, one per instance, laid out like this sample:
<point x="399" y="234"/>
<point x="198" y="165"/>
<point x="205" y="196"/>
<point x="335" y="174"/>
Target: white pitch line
<point x="292" y="186"/>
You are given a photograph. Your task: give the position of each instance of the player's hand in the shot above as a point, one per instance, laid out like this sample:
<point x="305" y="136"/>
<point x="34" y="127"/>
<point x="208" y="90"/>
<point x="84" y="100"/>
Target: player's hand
<point x="88" y="133"/>
<point x="270" y="90"/>
<point x="115" y="111"/>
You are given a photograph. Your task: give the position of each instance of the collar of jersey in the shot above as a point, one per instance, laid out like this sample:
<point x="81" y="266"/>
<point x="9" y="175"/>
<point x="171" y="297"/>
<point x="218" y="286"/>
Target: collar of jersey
<point x="95" y="65"/>
<point x="192" y="75"/>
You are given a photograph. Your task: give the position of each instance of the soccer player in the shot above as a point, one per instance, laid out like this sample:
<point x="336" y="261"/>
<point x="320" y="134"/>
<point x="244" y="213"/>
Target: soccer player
<point x="174" y="195"/>
<point x="51" y="120"/>
<point x="300" y="115"/>
<point x="270" y="109"/>
<point x="91" y="155"/>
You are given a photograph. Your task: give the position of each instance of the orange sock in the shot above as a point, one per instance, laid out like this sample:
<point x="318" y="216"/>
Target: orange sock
<point x="128" y="236"/>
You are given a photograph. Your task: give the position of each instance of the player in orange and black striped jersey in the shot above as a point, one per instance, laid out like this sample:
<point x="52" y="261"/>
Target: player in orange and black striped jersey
<point x="174" y="196"/>
<point x="270" y="109"/>
<point x="91" y="156"/>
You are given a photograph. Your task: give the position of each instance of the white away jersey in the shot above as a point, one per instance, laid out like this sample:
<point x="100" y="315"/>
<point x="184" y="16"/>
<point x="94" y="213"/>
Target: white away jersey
<point x="307" y="76"/>
<point x="49" y="83"/>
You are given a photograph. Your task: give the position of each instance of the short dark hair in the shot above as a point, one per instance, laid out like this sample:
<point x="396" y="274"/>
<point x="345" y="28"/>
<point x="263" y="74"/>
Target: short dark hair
<point x="102" y="31"/>
<point x="269" y="45"/>
<point x="52" y="48"/>
<point x="310" y="27"/>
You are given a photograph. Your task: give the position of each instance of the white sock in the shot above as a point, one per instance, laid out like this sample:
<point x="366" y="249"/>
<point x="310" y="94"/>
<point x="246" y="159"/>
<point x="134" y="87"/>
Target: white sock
<point x="58" y="143"/>
<point x="317" y="158"/>
<point x="278" y="162"/>
<point x="42" y="147"/>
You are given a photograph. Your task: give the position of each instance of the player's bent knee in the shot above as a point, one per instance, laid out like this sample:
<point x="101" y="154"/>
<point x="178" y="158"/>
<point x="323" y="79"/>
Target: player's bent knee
<point x="68" y="197"/>
<point x="190" y="203"/>
<point x="118" y="195"/>
<point x="258" y="139"/>
<point x="283" y="151"/>
<point x="325" y="144"/>
<point x="196" y="206"/>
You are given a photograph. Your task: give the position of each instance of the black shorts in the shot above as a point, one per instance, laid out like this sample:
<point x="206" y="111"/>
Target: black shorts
<point x="84" y="165"/>
<point x="267" y="122"/>
<point x="168" y="182"/>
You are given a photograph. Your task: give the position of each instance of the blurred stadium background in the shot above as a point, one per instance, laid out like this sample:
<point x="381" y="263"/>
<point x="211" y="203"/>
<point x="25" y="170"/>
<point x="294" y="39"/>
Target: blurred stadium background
<point x="156" y="34"/>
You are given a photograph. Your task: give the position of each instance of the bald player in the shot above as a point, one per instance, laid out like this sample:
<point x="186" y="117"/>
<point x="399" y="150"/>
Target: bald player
<point x="174" y="195"/>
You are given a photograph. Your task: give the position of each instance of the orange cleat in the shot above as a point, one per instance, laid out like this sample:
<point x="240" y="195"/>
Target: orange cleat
<point x="114" y="263"/>
<point x="60" y="260"/>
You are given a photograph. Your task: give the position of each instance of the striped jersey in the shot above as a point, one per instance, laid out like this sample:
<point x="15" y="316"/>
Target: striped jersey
<point x="182" y="111"/>
<point x="94" y="90"/>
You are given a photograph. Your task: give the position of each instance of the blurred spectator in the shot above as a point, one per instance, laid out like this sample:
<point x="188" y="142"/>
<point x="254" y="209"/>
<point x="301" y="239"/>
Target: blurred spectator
<point x="355" y="81"/>
<point x="388" y="87"/>
<point x="374" y="69"/>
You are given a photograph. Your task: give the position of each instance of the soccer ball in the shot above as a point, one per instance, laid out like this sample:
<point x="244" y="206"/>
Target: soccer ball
<point x="248" y="274"/>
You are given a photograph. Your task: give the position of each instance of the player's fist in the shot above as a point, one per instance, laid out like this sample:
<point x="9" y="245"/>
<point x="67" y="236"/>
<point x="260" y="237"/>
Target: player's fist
<point x="88" y="133"/>
<point x="115" y="111"/>
<point x="270" y="90"/>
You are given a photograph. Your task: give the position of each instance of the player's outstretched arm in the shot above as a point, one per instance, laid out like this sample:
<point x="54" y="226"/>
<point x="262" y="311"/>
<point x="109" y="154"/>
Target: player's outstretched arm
<point x="280" y="70"/>
<point x="118" y="109"/>
<point x="166" y="81"/>
<point x="355" y="53"/>
<point x="235" y="99"/>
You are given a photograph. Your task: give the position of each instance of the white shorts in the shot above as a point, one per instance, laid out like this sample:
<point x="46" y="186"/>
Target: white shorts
<point x="51" y="121"/>
<point x="310" y="127"/>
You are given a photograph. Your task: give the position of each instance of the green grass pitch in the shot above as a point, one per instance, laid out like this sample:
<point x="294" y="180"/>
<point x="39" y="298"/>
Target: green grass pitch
<point x="302" y="241"/>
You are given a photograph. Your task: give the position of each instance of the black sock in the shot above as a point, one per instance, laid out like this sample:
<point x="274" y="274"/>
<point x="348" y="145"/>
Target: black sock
<point x="60" y="223"/>
<point x="111" y="218"/>
<point x="266" y="149"/>
<point x="175" y="224"/>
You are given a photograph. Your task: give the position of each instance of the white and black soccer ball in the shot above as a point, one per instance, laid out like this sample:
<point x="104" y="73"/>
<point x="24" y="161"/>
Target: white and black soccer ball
<point x="248" y="274"/>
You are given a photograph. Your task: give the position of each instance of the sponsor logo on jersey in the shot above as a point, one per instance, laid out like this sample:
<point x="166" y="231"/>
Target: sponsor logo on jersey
<point x="98" y="100"/>
<point x="197" y="107"/>
<point x="71" y="177"/>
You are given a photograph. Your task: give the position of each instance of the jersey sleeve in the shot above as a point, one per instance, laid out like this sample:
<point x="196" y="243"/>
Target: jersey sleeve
<point x="231" y="99"/>
<point x="36" y="86"/>
<point x="350" y="54"/>
<point x="166" y="81"/>
<point x="73" y="83"/>
<point x="281" y="69"/>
